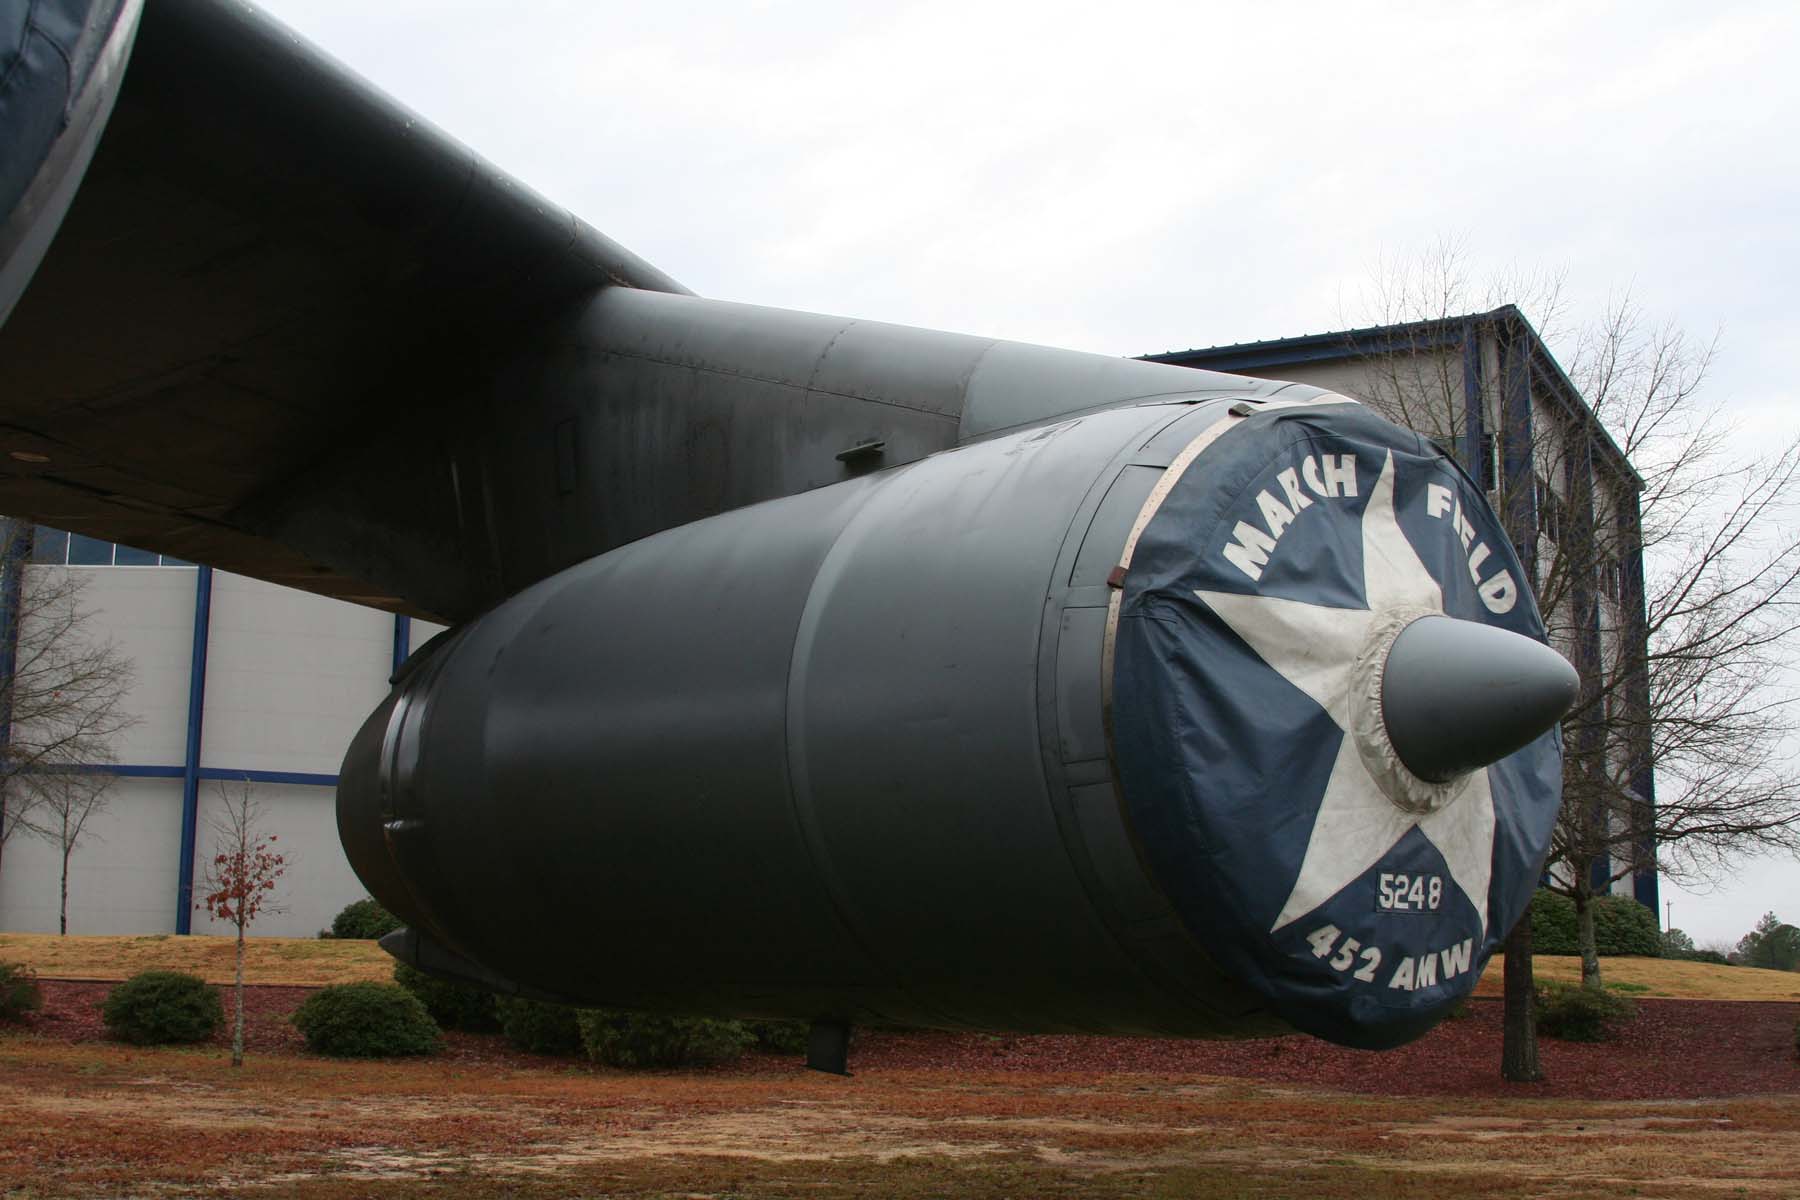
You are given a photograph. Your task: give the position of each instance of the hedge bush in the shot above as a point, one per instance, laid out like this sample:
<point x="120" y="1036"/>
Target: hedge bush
<point x="364" y="919"/>
<point x="155" y="1008"/>
<point x="451" y="1005"/>
<point x="631" y="1039"/>
<point x="1578" y="1014"/>
<point x="538" y="1025"/>
<point x="1552" y="923"/>
<point x="366" y="1020"/>
<point x="779" y="1037"/>
<point x="1621" y="926"/>
<point x="19" y="992"/>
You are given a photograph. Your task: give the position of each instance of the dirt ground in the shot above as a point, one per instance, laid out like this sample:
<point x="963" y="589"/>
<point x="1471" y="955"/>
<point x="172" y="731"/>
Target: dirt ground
<point x="1698" y="1099"/>
<point x="97" y="1119"/>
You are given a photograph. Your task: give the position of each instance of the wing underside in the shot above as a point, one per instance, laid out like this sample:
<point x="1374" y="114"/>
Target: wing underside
<point x="265" y="261"/>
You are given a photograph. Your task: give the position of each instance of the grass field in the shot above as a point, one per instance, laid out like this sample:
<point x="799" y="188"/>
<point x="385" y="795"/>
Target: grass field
<point x="309" y="962"/>
<point x="101" y="1120"/>
<point x="314" y="962"/>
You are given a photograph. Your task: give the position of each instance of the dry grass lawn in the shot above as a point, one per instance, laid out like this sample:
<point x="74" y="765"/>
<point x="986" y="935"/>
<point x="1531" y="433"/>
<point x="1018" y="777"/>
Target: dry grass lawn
<point x="103" y="1120"/>
<point x="308" y="962"/>
<point x="313" y="962"/>
<point x="1658" y="977"/>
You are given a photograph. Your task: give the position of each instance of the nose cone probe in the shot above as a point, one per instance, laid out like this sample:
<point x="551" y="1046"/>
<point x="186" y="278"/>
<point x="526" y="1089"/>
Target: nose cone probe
<point x="1457" y="695"/>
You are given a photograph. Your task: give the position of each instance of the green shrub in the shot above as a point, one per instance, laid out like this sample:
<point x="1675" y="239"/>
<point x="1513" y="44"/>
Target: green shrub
<point x="364" y="919"/>
<point x="1621" y="926"/>
<point x="1709" y="956"/>
<point x="156" y="1008"/>
<point x="1578" y="1014"/>
<point x="1552" y="923"/>
<point x="631" y="1039"/>
<point x="19" y="992"/>
<point x="779" y="1037"/>
<point x="538" y="1025"/>
<point x="451" y="1005"/>
<point x="366" y="1020"/>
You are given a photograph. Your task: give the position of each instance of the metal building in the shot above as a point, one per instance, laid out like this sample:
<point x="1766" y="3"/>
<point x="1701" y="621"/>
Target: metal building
<point x="235" y="681"/>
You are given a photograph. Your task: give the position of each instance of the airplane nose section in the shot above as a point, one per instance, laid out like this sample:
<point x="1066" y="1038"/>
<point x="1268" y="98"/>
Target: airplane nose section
<point x="1335" y="718"/>
<point x="1457" y="695"/>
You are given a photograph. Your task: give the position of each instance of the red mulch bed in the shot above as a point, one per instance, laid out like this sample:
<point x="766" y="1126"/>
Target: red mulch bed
<point x="71" y="1013"/>
<point x="1675" y="1049"/>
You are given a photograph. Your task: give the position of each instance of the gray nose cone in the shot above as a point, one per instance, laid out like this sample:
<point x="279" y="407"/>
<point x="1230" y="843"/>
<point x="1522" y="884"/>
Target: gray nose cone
<point x="1457" y="695"/>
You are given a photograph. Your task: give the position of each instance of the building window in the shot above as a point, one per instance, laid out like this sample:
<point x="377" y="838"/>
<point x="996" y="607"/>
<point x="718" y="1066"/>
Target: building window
<point x="49" y="546"/>
<point x="1550" y="511"/>
<point x="85" y="551"/>
<point x="1490" y="463"/>
<point x="1611" y="580"/>
<point x="131" y="556"/>
<point x="78" y="550"/>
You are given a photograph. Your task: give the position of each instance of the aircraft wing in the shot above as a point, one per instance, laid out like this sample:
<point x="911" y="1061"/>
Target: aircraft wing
<point x="265" y="262"/>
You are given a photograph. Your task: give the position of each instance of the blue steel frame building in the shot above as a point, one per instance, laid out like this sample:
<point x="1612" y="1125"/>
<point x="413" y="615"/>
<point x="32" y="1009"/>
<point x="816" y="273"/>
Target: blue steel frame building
<point x="1493" y="394"/>
<point x="236" y="682"/>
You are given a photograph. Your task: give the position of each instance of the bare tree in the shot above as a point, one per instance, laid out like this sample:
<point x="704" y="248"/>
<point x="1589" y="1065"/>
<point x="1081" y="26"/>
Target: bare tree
<point x="1704" y="712"/>
<point x="238" y="885"/>
<point x="62" y="693"/>
<point x="63" y="803"/>
<point x="1674" y="751"/>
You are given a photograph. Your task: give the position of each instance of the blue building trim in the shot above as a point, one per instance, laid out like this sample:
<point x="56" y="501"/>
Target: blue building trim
<point x="1518" y="479"/>
<point x="1584" y="601"/>
<point x="240" y="775"/>
<point x="1644" y="884"/>
<point x="14" y="554"/>
<point x="211" y="774"/>
<point x="190" y="770"/>
<point x="1474" y="416"/>
<point x="13" y="557"/>
<point x="402" y="640"/>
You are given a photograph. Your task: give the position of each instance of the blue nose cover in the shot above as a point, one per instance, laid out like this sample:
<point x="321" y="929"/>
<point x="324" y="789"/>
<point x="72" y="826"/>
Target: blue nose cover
<point x="1269" y="575"/>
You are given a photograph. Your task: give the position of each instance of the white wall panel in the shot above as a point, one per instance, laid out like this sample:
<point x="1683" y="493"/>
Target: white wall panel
<point x="422" y="632"/>
<point x="289" y="676"/>
<point x="148" y="612"/>
<point x="121" y="877"/>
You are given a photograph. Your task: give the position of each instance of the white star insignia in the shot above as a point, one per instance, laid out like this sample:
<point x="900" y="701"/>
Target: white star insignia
<point x="1335" y="656"/>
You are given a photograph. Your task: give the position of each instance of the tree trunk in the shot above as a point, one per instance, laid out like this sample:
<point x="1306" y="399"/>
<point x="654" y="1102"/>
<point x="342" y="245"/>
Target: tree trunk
<point x="1585" y="939"/>
<point x="237" y="1021"/>
<point x="1518" y="1046"/>
<point x="63" y="909"/>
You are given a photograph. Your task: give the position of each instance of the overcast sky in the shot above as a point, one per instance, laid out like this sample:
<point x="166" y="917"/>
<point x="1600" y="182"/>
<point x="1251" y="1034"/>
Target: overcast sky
<point x="1129" y="178"/>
